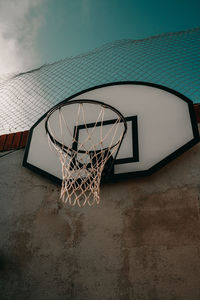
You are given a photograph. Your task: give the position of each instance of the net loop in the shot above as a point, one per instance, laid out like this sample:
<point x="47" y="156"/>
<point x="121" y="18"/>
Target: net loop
<point x="85" y="161"/>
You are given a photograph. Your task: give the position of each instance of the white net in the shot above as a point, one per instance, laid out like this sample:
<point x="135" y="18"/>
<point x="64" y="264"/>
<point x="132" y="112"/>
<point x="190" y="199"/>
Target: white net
<point x="86" y="150"/>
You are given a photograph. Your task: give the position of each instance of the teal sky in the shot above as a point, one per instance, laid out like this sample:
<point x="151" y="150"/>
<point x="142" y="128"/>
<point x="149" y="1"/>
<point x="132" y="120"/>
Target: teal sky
<point x="72" y="27"/>
<point x="34" y="32"/>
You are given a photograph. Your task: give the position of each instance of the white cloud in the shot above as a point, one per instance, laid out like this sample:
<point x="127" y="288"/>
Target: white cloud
<point x="20" y="21"/>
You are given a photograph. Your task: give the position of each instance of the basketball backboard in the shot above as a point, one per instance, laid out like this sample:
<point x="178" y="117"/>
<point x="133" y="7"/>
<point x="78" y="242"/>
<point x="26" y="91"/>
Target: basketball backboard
<point x="161" y="125"/>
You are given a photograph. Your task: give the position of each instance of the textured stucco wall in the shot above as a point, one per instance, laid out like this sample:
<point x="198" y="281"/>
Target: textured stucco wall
<point x="141" y="242"/>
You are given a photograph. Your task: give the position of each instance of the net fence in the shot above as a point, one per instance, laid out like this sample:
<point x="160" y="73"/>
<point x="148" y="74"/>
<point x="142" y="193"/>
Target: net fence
<point x="172" y="60"/>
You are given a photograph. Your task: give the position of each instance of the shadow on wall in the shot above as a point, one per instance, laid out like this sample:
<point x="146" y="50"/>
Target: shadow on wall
<point x="141" y="242"/>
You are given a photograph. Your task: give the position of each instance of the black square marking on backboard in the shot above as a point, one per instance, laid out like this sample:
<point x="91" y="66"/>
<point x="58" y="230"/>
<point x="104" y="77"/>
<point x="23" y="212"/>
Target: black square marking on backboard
<point x="134" y="136"/>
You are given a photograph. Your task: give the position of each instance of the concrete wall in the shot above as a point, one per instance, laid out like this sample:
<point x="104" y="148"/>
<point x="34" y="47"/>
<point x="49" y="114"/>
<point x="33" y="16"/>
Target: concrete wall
<point x="141" y="242"/>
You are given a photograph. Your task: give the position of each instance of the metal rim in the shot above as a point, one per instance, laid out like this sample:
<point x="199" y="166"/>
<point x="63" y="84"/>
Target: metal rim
<point x="90" y="101"/>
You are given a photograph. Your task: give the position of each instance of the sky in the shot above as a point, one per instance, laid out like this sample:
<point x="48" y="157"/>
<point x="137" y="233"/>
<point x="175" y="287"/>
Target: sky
<point x="36" y="32"/>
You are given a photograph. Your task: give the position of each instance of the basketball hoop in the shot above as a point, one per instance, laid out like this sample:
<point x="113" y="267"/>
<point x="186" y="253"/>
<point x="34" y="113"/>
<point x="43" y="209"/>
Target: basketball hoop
<point x="92" y="150"/>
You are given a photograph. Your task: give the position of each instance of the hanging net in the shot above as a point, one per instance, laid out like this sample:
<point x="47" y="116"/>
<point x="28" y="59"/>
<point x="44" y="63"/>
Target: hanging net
<point x="170" y="59"/>
<point x="86" y="150"/>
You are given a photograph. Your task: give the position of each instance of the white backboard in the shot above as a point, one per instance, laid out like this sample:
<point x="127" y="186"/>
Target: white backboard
<point x="161" y="126"/>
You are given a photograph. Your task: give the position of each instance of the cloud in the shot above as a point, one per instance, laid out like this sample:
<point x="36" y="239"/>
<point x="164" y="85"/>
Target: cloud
<point x="20" y="21"/>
